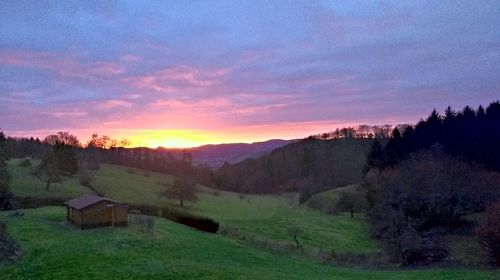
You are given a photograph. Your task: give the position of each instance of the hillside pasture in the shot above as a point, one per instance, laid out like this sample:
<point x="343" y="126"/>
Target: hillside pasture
<point x="327" y="201"/>
<point x="258" y="216"/>
<point x="55" y="250"/>
<point x="24" y="184"/>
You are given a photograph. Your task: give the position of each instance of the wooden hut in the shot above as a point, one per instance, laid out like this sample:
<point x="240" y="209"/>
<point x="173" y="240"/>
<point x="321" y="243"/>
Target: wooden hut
<point x="90" y="211"/>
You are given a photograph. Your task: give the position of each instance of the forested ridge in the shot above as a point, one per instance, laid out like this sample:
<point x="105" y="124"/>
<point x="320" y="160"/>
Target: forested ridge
<point x="426" y="181"/>
<point x="473" y="135"/>
<point x="309" y="166"/>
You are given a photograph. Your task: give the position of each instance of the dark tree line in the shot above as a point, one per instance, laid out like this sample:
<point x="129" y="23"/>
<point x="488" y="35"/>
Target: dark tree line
<point x="62" y="154"/>
<point x="426" y="179"/>
<point x="25" y="147"/>
<point x="470" y="134"/>
<point x="156" y="160"/>
<point x="360" y="131"/>
<point x="5" y="193"/>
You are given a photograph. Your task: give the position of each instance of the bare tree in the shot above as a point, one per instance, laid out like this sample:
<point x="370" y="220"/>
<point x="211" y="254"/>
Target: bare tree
<point x="48" y="171"/>
<point x="183" y="190"/>
<point x="350" y="202"/>
<point x="85" y="176"/>
<point x="64" y="138"/>
<point x="106" y="142"/>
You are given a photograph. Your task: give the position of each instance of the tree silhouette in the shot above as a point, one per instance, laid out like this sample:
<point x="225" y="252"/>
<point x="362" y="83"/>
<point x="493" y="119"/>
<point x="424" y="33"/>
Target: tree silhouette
<point x="472" y="134"/>
<point x="62" y="137"/>
<point x="48" y="171"/>
<point x="65" y="157"/>
<point x="183" y="189"/>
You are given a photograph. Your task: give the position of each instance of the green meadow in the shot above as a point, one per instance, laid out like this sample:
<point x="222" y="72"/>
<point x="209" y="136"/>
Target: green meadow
<point x="260" y="216"/>
<point x="55" y="250"/>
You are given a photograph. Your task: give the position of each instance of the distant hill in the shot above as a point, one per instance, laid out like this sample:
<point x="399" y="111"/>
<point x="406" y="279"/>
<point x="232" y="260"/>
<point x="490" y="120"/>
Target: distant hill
<point x="216" y="155"/>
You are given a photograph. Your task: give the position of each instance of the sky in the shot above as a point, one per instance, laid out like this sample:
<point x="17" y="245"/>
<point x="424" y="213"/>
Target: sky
<point x="187" y="73"/>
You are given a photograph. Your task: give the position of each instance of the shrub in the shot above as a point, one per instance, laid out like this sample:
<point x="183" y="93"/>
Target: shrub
<point x="200" y="223"/>
<point x="426" y="197"/>
<point x="165" y="184"/>
<point x="489" y="232"/>
<point x="99" y="189"/>
<point x="93" y="164"/>
<point x="203" y="224"/>
<point x="351" y="202"/>
<point x="25" y="163"/>
<point x="5" y="193"/>
<point x="85" y="177"/>
<point x="9" y="250"/>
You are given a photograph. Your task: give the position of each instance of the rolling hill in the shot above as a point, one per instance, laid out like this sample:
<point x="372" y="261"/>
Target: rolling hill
<point x="176" y="251"/>
<point x="261" y="216"/>
<point x="216" y="155"/>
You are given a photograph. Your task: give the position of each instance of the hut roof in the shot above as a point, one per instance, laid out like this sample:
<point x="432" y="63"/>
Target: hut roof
<point x="85" y="201"/>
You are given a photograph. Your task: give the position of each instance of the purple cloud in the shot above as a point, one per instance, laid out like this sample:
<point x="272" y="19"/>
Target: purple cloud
<point x="223" y="66"/>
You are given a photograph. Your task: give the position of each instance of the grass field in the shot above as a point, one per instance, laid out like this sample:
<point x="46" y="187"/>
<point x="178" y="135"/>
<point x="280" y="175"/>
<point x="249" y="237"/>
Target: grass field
<point x="24" y="184"/>
<point x="179" y="252"/>
<point x="327" y="200"/>
<point x="56" y="250"/>
<point x="265" y="217"/>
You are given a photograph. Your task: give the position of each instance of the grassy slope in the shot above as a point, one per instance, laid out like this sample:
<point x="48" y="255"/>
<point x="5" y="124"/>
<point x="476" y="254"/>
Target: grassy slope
<point x="55" y="250"/>
<point x="24" y="184"/>
<point x="327" y="199"/>
<point x="338" y="232"/>
<point x="465" y="250"/>
<point x="261" y="216"/>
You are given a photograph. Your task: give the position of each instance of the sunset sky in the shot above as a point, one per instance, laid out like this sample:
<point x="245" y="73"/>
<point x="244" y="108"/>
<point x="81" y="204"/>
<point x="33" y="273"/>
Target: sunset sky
<point x="186" y="73"/>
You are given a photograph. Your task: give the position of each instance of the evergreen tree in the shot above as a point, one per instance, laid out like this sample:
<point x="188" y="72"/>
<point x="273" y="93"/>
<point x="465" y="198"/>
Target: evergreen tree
<point x="376" y="156"/>
<point x="473" y="135"/>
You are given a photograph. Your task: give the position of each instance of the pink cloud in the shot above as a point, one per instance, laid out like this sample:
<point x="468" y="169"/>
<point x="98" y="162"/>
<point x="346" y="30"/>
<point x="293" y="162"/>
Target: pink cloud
<point x="178" y="78"/>
<point x="207" y="103"/>
<point x="113" y="104"/>
<point x="106" y="69"/>
<point x="129" y="58"/>
<point x="64" y="114"/>
<point x="63" y="66"/>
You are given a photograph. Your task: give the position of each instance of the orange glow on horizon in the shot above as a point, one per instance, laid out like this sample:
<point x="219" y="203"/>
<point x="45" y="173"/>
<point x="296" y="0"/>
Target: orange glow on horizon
<point x="172" y="138"/>
<point x="188" y="138"/>
<point x="191" y="137"/>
